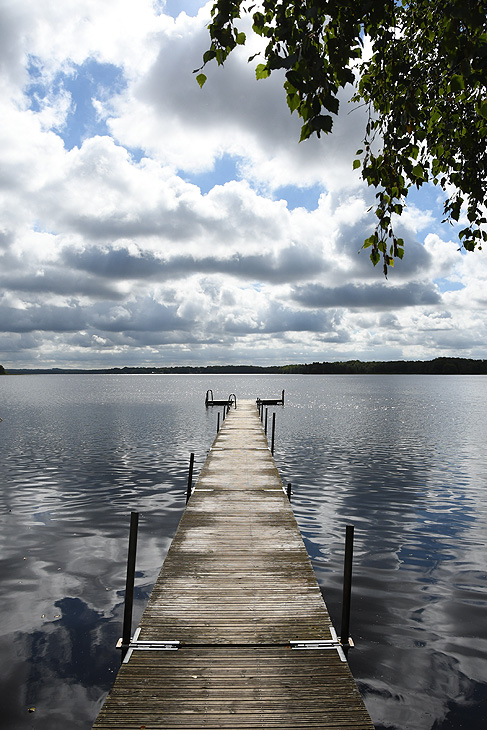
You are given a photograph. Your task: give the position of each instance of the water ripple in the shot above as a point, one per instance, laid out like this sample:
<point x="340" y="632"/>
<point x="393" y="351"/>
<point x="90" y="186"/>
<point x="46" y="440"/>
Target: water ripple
<point x="400" y="458"/>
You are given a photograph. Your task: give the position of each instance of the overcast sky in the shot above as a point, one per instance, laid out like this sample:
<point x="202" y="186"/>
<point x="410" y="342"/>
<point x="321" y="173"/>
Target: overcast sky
<point x="147" y="222"/>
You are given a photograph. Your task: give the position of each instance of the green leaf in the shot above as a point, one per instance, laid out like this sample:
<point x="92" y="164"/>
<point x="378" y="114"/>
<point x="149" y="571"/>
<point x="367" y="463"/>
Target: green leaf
<point x="356" y="164"/>
<point x="457" y="83"/>
<point x="293" y="101"/>
<point x="322" y="123"/>
<point x="240" y="39"/>
<point x="418" y="171"/>
<point x="305" y="132"/>
<point x="262" y="72"/>
<point x="258" y="24"/>
<point x="375" y="257"/>
<point x="208" y="56"/>
<point x="220" y="55"/>
<point x="201" y="78"/>
<point x="370" y="241"/>
<point x="332" y="104"/>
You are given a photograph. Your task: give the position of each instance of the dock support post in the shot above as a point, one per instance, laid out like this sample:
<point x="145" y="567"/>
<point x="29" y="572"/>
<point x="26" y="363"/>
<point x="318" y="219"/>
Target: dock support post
<point x="265" y="421"/>
<point x="347" y="588"/>
<point x="273" y="432"/>
<point x="288" y="491"/>
<point x="218" y="421"/>
<point x="190" y="477"/>
<point x="129" y="584"/>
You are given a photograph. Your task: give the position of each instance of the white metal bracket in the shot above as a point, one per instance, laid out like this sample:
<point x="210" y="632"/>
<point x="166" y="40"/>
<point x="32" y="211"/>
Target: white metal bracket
<point x="136" y="645"/>
<point x="333" y="643"/>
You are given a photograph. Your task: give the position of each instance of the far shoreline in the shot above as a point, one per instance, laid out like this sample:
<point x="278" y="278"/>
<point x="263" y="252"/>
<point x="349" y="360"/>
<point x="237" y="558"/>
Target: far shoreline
<point x="437" y="366"/>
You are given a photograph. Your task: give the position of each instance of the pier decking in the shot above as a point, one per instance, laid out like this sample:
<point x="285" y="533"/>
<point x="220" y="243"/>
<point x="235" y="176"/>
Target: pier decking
<point x="236" y="588"/>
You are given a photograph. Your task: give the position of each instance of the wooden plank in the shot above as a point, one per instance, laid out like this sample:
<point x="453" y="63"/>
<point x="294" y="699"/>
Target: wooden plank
<point x="236" y="587"/>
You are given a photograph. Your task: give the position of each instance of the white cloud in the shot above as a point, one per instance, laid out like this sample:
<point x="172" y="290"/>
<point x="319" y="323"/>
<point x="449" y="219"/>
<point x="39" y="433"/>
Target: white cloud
<point x="108" y="252"/>
<point x="165" y="113"/>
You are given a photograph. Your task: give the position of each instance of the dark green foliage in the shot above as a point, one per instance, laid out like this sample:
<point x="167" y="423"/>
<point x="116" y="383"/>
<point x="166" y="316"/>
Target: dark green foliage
<point x="2" y="370"/>
<point x="425" y="89"/>
<point x="438" y="366"/>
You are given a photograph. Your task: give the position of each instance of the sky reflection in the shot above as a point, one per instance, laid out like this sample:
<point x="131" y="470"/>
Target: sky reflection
<point x="391" y="456"/>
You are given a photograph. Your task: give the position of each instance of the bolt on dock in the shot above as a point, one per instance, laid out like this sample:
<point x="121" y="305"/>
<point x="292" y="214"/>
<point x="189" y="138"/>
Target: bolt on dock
<point x="236" y="633"/>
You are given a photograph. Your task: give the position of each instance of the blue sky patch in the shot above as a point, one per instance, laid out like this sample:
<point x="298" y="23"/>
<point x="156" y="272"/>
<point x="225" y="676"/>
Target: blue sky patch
<point x="429" y="197"/>
<point x="299" y="197"/>
<point x="86" y="82"/>
<point x="445" y="285"/>
<point x="224" y="170"/>
<point x="191" y="7"/>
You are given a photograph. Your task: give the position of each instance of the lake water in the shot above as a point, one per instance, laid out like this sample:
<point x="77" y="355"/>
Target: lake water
<point x="403" y="458"/>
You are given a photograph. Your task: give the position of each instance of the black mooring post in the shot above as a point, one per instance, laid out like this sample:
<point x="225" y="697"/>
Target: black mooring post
<point x="265" y="421"/>
<point x="273" y="432"/>
<point x="224" y="414"/>
<point x="288" y="491"/>
<point x="347" y="588"/>
<point x="129" y="584"/>
<point x="218" y="421"/>
<point x="190" y="477"/>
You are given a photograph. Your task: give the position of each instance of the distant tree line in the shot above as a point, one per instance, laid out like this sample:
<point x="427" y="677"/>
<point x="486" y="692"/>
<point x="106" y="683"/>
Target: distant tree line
<point x="438" y="366"/>
<point x="2" y="370"/>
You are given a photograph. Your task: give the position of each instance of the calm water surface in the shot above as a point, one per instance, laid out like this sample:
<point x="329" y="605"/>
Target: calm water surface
<point x="401" y="458"/>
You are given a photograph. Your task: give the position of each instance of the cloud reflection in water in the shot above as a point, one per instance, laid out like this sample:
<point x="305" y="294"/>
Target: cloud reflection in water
<point x="398" y="457"/>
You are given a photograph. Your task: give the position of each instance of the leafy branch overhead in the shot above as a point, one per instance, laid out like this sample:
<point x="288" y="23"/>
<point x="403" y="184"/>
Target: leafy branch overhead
<point x="424" y="85"/>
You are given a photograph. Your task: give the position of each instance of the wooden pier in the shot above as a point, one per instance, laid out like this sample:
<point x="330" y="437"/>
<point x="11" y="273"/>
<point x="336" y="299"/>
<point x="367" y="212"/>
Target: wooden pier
<point x="236" y="590"/>
<point x="271" y="401"/>
<point x="211" y="401"/>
